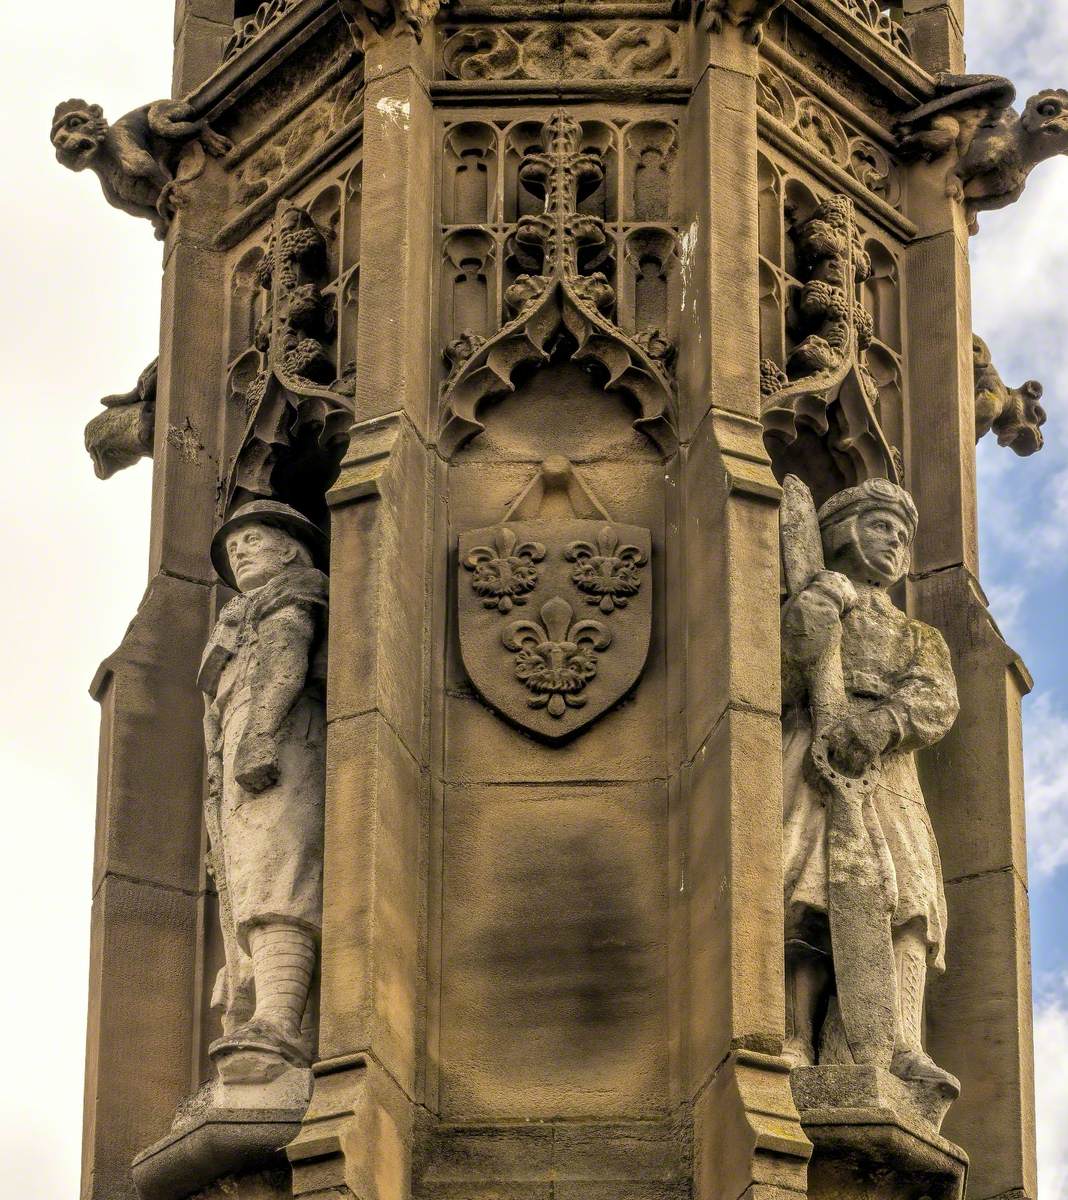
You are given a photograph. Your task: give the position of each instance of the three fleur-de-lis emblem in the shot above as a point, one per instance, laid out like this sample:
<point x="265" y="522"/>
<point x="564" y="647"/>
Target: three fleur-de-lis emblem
<point x="556" y="659"/>
<point x="555" y="671"/>
<point x="608" y="573"/>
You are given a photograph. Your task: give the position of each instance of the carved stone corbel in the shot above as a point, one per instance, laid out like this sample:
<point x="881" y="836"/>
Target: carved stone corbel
<point x="561" y="302"/>
<point x="750" y="16"/>
<point x="368" y="19"/>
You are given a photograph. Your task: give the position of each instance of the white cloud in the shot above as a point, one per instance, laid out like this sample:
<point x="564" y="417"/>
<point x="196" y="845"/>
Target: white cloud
<point x="1046" y="776"/>
<point x="1051" y="1092"/>
<point x="1006" y="604"/>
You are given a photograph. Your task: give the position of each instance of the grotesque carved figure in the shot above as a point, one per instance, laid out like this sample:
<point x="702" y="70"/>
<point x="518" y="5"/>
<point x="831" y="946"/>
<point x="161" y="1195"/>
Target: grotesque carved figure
<point x="749" y="15"/>
<point x="1014" y="414"/>
<point x="864" y="687"/>
<point x="137" y="158"/>
<point x="263" y="675"/>
<point x="993" y="148"/>
<point x="123" y="432"/>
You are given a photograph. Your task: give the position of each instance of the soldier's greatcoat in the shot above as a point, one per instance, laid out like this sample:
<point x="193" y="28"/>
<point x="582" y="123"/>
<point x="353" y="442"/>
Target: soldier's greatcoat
<point x="267" y="847"/>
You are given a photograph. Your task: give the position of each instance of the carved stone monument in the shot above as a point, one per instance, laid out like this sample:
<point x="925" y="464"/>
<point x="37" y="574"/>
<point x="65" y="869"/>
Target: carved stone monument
<point x="612" y="833"/>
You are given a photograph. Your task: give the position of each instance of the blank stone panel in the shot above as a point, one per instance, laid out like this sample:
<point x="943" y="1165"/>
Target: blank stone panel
<point x="554" y="951"/>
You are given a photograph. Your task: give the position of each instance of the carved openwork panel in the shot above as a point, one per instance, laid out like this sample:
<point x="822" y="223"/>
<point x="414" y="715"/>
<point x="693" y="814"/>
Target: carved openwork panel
<point x="832" y="372"/>
<point x="302" y="114"/>
<point x="292" y="330"/>
<point x="588" y="202"/>
<point x="802" y="123"/>
<point x="563" y="50"/>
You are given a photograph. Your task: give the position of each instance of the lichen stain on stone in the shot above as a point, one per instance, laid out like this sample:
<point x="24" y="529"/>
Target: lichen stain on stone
<point x="185" y="441"/>
<point x="398" y="111"/>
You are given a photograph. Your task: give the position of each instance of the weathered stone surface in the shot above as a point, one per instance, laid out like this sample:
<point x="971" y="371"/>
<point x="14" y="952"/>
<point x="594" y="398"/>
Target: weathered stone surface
<point x="555" y="300"/>
<point x="219" y="1149"/>
<point x="552" y="986"/>
<point x="875" y="1153"/>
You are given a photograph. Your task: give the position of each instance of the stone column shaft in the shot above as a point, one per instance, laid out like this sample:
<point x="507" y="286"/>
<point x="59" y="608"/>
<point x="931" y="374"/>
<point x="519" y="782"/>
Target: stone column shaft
<point x="747" y="1139"/>
<point x="979" y="1012"/>
<point x="357" y="1135"/>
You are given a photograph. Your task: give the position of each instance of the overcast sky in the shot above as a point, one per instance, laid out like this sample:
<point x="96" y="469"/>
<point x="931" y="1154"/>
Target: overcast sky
<point x="80" y="319"/>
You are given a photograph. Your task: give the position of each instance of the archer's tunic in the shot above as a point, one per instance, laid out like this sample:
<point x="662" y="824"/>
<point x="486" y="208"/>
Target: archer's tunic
<point x="901" y="665"/>
<point x="271" y="852"/>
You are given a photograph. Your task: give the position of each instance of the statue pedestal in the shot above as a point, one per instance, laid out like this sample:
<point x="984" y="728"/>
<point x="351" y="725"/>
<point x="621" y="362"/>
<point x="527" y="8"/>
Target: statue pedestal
<point x="875" y="1137"/>
<point x="231" y="1132"/>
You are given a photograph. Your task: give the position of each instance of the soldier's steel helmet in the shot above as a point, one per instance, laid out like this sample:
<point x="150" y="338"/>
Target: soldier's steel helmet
<point x="867" y="496"/>
<point x="279" y="516"/>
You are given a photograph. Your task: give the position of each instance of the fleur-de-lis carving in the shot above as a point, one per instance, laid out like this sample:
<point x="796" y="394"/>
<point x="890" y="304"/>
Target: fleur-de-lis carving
<point x="556" y="659"/>
<point x="608" y="573"/>
<point x="505" y="573"/>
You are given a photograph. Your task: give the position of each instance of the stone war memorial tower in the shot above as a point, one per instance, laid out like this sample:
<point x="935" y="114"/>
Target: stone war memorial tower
<point x="563" y="751"/>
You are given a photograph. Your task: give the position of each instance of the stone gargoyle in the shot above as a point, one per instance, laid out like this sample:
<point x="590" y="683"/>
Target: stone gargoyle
<point x="123" y="432"/>
<point x="140" y="160"/>
<point x="991" y="147"/>
<point x="1015" y="415"/>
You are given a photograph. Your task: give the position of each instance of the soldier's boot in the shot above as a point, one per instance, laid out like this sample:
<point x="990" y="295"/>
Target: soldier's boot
<point x="283" y="964"/>
<point x="911" y="1062"/>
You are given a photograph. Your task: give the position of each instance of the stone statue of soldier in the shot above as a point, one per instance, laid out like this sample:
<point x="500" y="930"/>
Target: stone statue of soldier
<point x="898" y="695"/>
<point x="263" y="675"/>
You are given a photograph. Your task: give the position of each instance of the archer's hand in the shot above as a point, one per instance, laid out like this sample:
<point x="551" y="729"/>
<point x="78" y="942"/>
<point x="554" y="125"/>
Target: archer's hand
<point x="857" y="741"/>
<point x="256" y="762"/>
<point x="812" y="620"/>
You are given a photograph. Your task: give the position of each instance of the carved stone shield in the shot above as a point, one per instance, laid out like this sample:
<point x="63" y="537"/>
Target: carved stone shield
<point x="555" y="618"/>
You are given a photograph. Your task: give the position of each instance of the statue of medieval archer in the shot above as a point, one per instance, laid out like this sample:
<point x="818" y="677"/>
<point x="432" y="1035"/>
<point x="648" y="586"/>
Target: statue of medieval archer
<point x="864" y="687"/>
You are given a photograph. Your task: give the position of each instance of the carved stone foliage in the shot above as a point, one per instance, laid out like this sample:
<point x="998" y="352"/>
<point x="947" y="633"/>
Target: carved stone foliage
<point x="827" y="134"/>
<point x="123" y="433"/>
<point x="1014" y="415"/>
<point x="563" y="50"/>
<point x="298" y="410"/>
<point x="826" y="393"/>
<point x="558" y="667"/>
<point x="559" y="243"/>
<point x="299" y="140"/>
<point x="142" y="160"/>
<point x="990" y="148"/>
